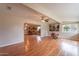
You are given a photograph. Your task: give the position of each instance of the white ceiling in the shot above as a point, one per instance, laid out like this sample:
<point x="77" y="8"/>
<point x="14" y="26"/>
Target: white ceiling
<point x="22" y="12"/>
<point x="58" y="11"/>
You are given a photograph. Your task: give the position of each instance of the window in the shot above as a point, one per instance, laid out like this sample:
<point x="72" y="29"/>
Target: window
<point x="70" y="28"/>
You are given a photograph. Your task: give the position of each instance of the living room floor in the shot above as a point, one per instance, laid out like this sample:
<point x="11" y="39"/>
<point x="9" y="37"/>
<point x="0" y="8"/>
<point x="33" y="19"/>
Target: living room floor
<point x="36" y="46"/>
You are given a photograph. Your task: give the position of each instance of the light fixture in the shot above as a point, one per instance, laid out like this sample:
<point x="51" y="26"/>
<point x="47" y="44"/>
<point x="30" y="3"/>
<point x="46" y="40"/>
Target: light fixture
<point x="26" y="25"/>
<point x="44" y="19"/>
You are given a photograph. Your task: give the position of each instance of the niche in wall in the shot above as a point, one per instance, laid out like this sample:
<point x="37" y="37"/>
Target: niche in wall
<point x="31" y="29"/>
<point x="54" y="30"/>
<point x="53" y="27"/>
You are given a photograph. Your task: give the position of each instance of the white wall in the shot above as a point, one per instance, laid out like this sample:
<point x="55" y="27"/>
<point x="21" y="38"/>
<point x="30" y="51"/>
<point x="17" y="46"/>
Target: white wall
<point x="78" y="27"/>
<point x="1" y="30"/>
<point x="44" y="29"/>
<point x="12" y="23"/>
<point x="12" y="31"/>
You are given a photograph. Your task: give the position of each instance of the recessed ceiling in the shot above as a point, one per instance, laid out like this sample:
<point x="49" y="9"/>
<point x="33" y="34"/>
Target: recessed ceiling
<point x="59" y="11"/>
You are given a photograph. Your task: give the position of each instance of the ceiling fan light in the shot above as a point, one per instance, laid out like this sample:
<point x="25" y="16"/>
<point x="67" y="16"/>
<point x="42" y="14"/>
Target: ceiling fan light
<point x="43" y="20"/>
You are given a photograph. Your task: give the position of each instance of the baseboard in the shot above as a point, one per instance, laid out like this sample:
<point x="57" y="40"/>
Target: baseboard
<point x="4" y="45"/>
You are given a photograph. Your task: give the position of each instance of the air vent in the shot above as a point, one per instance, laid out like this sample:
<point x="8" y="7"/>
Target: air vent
<point x="9" y="8"/>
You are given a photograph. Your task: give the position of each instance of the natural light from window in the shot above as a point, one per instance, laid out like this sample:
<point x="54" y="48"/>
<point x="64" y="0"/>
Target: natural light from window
<point x="70" y="28"/>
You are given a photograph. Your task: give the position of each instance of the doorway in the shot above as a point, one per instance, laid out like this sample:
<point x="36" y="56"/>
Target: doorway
<point x="31" y="31"/>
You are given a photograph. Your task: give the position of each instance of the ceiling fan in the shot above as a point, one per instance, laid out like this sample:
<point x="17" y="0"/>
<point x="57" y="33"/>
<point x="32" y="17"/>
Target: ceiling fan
<point x="44" y="19"/>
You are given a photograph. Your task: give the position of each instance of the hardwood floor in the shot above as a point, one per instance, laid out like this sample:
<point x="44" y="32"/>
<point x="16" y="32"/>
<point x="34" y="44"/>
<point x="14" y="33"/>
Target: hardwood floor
<point x="13" y="50"/>
<point x="37" y="46"/>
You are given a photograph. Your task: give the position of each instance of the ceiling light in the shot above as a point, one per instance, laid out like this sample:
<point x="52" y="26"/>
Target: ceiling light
<point x="43" y="20"/>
